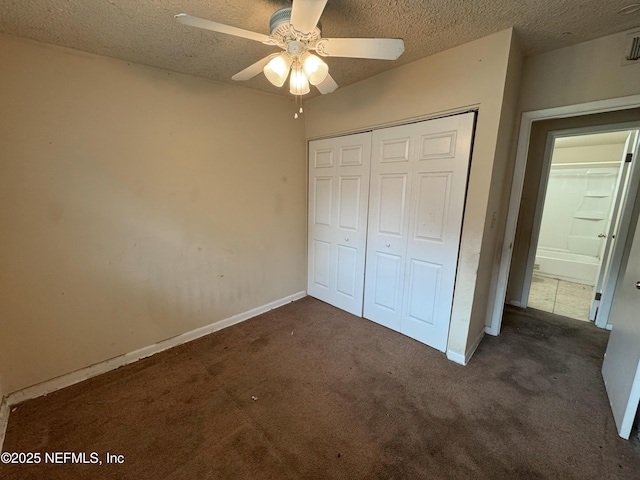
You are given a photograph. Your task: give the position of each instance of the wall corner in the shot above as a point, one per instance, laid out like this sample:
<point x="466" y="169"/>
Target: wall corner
<point x="4" y="414"/>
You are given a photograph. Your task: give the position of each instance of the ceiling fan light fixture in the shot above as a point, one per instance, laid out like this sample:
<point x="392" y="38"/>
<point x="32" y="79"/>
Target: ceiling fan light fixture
<point x="296" y="30"/>
<point x="314" y="68"/>
<point x="298" y="82"/>
<point x="277" y="69"/>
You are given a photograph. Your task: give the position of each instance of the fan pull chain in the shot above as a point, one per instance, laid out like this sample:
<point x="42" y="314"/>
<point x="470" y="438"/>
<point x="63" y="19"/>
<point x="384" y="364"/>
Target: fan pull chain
<point x="299" y="109"/>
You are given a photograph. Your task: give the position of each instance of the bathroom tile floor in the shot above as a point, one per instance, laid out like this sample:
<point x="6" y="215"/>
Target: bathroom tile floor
<point x="561" y="297"/>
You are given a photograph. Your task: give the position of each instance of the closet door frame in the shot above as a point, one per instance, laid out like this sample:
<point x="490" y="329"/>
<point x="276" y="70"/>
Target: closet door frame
<point x="328" y="292"/>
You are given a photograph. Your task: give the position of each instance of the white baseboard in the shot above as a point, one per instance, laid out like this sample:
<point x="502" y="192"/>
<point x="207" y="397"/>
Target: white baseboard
<point x="515" y="303"/>
<point x="491" y="331"/>
<point x="72" y="378"/>
<point x="4" y="419"/>
<point x="456" y="357"/>
<point x="474" y="346"/>
<point x="464" y="359"/>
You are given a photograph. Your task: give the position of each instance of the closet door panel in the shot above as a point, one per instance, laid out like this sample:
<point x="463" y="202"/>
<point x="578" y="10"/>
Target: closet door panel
<point x="433" y="192"/>
<point x="338" y="196"/>
<point x="418" y="187"/>
<point x="347" y="274"/>
<point x="439" y="176"/>
<point x="349" y="203"/>
<point x="391" y="204"/>
<point x="387" y="233"/>
<point x="321" y="254"/>
<point x="323" y="199"/>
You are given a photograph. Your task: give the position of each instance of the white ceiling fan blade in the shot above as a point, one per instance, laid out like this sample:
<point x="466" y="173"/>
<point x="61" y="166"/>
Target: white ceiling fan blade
<point x="220" y="27"/>
<point x="378" y="48"/>
<point x="305" y="14"/>
<point x="328" y="85"/>
<point x="253" y="70"/>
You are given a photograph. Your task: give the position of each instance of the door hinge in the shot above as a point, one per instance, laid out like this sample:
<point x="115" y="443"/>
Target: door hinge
<point x="628" y="158"/>
<point x="598" y="296"/>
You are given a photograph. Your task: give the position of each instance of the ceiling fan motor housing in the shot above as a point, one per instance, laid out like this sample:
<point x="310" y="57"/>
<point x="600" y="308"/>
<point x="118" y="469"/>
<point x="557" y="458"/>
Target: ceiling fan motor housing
<point x="281" y="29"/>
<point x="279" y="17"/>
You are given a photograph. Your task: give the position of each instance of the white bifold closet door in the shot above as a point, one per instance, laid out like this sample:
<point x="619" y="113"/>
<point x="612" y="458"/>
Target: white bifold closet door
<point x="417" y="195"/>
<point x="338" y="194"/>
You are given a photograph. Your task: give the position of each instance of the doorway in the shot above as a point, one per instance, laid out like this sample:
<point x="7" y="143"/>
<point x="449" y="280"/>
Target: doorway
<point x="528" y="175"/>
<point x="580" y="209"/>
<point x="621" y="373"/>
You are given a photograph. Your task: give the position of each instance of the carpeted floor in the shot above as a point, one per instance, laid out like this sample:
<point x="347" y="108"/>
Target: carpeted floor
<point x="310" y="392"/>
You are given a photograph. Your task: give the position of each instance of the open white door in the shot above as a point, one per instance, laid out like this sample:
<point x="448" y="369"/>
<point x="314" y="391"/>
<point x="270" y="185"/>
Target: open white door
<point x="620" y="231"/>
<point x="610" y="239"/>
<point x="621" y="368"/>
<point x="338" y="194"/>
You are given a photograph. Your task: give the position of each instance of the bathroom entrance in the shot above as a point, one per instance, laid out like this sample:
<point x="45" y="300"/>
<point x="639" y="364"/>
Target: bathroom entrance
<point x="579" y="221"/>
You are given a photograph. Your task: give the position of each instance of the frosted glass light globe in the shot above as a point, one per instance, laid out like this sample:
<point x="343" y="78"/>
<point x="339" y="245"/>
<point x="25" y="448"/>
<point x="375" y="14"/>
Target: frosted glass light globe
<point x="315" y="69"/>
<point x="277" y="69"/>
<point x="298" y="83"/>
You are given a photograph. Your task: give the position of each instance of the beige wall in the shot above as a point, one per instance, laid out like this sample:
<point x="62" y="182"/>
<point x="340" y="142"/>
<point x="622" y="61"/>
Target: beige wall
<point x="588" y="154"/>
<point x="135" y="205"/>
<point x="497" y="208"/>
<point x="586" y="72"/>
<point x="469" y="76"/>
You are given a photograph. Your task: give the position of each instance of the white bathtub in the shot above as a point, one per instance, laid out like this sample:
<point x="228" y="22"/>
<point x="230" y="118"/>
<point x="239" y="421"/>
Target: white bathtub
<point x="566" y="266"/>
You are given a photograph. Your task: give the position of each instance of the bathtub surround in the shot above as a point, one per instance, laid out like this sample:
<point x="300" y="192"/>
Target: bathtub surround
<point x="577" y="210"/>
<point x="580" y="196"/>
<point x="568" y="266"/>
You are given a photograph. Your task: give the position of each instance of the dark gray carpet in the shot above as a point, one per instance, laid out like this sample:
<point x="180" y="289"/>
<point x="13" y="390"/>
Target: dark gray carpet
<point x="310" y="392"/>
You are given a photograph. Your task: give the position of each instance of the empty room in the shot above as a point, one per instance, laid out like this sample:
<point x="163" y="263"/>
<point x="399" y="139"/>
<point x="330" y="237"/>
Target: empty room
<point x="291" y="239"/>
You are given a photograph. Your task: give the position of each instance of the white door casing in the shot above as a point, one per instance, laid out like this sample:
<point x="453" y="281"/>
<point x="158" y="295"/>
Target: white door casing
<point x="338" y="195"/>
<point x="517" y="184"/>
<point x="418" y="187"/>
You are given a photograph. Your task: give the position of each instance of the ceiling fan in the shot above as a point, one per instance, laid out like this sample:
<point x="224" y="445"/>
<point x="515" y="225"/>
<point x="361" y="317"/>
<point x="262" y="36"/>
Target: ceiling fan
<point x="296" y="30"/>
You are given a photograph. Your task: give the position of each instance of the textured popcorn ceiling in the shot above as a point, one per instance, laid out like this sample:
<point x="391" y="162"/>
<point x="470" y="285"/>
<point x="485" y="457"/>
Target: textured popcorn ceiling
<point x="144" y="31"/>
